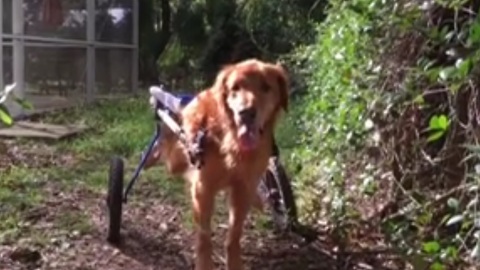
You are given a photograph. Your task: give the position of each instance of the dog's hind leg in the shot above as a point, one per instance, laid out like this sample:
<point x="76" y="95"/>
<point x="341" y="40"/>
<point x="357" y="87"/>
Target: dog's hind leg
<point x="203" y="200"/>
<point x="238" y="209"/>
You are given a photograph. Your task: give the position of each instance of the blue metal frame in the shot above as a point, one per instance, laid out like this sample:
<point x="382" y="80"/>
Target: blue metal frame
<point x="140" y="166"/>
<point x="184" y="100"/>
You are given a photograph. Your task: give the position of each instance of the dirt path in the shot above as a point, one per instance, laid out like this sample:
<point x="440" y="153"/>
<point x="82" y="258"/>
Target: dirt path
<point x="67" y="231"/>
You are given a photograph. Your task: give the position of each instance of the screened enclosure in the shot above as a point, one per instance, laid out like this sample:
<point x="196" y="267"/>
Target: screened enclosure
<point x="61" y="52"/>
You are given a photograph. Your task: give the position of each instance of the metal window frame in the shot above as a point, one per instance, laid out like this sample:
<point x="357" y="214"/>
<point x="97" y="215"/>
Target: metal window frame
<point x="1" y="46"/>
<point x="76" y="42"/>
<point x="20" y="41"/>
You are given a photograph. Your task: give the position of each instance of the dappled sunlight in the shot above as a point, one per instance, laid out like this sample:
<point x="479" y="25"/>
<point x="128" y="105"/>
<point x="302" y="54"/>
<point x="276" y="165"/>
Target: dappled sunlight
<point x="379" y="143"/>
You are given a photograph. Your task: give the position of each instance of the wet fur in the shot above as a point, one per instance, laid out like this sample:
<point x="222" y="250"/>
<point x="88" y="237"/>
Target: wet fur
<point x="225" y="167"/>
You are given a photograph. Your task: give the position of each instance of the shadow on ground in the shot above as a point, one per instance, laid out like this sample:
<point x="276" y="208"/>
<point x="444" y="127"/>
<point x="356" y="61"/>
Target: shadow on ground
<point x="157" y="251"/>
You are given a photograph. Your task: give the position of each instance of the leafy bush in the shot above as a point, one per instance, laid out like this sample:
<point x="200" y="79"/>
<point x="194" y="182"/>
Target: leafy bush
<point x="7" y="95"/>
<point x="331" y="117"/>
<point x="388" y="111"/>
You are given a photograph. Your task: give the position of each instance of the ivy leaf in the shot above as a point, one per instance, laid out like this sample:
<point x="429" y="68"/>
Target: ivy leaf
<point x="435" y="136"/>
<point x="472" y="203"/>
<point x="5" y="116"/>
<point x="446" y="73"/>
<point x="475" y="33"/>
<point x="475" y="253"/>
<point x="419" y="100"/>
<point x="450" y="252"/>
<point x="454" y="220"/>
<point x="454" y="87"/>
<point x="439" y="122"/>
<point x="23" y="103"/>
<point x="433" y="124"/>
<point x="463" y="67"/>
<point x="443" y="122"/>
<point x="437" y="266"/>
<point x="453" y="203"/>
<point x="431" y="247"/>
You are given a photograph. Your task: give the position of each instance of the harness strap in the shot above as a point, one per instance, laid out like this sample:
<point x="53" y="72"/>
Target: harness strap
<point x="197" y="148"/>
<point x="194" y="148"/>
<point x="165" y="105"/>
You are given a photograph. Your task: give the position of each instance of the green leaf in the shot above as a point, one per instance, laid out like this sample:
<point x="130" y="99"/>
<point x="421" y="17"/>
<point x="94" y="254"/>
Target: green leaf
<point x="428" y="65"/>
<point x="453" y="203"/>
<point x="463" y="67"/>
<point x="431" y="247"/>
<point x="450" y="252"/>
<point x="5" y="116"/>
<point x="419" y="100"/>
<point x="437" y="266"/>
<point x="442" y="122"/>
<point x="433" y="124"/>
<point x="439" y="122"/>
<point x="473" y="202"/>
<point x="435" y="136"/>
<point x="447" y="73"/>
<point x="23" y="103"/>
<point x="454" y="87"/>
<point x="475" y="33"/>
<point x="475" y="253"/>
<point x="454" y="220"/>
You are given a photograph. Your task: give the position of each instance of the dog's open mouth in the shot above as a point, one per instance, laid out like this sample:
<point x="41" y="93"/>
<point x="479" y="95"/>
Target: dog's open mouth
<point x="248" y="136"/>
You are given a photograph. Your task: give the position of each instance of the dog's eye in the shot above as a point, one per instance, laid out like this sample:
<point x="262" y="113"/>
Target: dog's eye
<point x="265" y="87"/>
<point x="235" y="87"/>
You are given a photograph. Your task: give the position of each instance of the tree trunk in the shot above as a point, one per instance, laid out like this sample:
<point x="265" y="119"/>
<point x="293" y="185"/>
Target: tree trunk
<point x="154" y="42"/>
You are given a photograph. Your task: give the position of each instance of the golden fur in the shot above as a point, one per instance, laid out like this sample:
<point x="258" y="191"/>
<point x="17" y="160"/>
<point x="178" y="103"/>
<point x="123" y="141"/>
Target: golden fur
<point x="260" y="86"/>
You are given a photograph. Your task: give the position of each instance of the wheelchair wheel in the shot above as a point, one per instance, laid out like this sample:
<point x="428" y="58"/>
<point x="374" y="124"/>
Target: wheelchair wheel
<point x="279" y="196"/>
<point x="115" y="199"/>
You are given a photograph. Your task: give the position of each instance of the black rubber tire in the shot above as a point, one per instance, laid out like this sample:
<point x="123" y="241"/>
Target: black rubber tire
<point x="115" y="199"/>
<point x="281" y="199"/>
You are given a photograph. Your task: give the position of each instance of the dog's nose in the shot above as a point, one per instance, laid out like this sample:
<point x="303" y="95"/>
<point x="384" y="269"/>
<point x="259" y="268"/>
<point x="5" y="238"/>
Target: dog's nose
<point x="248" y="114"/>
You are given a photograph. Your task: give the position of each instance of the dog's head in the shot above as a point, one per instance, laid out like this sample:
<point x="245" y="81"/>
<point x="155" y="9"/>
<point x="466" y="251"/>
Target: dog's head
<point x="253" y="93"/>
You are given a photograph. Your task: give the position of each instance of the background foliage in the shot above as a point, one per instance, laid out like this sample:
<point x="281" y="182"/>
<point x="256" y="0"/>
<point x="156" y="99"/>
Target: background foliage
<point x="382" y="136"/>
<point x="383" y="129"/>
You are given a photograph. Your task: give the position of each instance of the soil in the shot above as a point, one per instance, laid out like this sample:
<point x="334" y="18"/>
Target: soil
<point x="68" y="231"/>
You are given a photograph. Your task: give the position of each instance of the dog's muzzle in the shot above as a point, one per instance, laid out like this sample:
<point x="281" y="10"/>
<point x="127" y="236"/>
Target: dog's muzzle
<point x="248" y="130"/>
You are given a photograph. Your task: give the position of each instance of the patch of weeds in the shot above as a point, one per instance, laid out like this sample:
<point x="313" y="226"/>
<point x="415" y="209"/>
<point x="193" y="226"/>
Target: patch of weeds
<point x="118" y="128"/>
<point x="171" y="188"/>
<point x="262" y="221"/>
<point x="19" y="191"/>
<point x="9" y="230"/>
<point x="96" y="180"/>
<point x="121" y="127"/>
<point x="220" y="214"/>
<point x="74" y="221"/>
<point x="187" y="219"/>
<point x="37" y="238"/>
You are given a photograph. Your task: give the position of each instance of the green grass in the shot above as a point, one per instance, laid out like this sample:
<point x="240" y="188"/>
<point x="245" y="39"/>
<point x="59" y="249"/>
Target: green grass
<point x="74" y="221"/>
<point x="117" y="128"/>
<point x="120" y="127"/>
<point x="19" y="191"/>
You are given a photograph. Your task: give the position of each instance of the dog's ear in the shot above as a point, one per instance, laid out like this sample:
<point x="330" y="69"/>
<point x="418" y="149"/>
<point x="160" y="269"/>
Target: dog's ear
<point x="219" y="86"/>
<point x="282" y="79"/>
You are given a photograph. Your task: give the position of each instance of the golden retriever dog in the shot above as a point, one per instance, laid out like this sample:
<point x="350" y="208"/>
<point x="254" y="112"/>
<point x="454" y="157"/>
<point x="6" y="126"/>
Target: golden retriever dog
<point x="239" y="113"/>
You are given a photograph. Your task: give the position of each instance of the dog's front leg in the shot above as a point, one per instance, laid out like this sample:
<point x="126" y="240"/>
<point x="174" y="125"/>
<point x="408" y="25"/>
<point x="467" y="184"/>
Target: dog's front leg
<point x="239" y="205"/>
<point x="203" y="204"/>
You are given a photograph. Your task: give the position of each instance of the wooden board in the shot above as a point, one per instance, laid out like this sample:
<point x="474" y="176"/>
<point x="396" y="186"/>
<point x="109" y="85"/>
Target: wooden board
<point x="28" y="129"/>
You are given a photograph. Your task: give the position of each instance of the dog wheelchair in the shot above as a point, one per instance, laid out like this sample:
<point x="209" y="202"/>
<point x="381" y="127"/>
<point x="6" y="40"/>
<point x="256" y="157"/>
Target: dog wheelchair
<point x="274" y="189"/>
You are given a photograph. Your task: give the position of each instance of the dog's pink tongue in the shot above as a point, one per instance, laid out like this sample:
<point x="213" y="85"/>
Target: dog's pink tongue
<point x="247" y="138"/>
